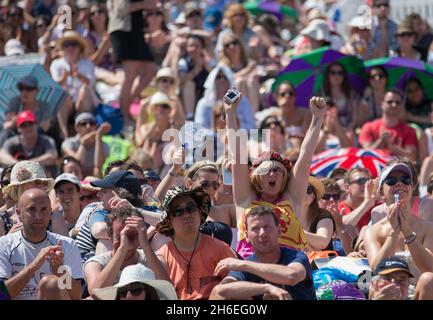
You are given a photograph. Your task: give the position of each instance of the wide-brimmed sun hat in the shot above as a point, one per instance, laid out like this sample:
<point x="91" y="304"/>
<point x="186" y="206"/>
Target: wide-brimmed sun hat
<point x="200" y="197"/>
<point x="138" y="273"/>
<point x="72" y="35"/>
<point x="319" y="187"/>
<point x="24" y="172"/>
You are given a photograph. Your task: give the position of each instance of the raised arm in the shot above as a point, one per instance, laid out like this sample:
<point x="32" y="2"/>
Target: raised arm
<point x="242" y="189"/>
<point x="299" y="178"/>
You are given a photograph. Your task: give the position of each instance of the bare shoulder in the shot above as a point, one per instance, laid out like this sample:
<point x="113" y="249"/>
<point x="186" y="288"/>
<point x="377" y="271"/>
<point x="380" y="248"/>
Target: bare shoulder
<point x="380" y="229"/>
<point x="426" y="209"/>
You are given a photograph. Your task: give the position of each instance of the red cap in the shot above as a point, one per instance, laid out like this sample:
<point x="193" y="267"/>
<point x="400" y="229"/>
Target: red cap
<point x="25" y="116"/>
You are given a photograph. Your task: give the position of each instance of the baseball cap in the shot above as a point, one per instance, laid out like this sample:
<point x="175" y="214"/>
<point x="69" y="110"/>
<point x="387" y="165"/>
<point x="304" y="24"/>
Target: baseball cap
<point x="119" y="179"/>
<point x="395" y="167"/>
<point x="151" y="174"/>
<point x="212" y="19"/>
<point x="13" y="47"/>
<point x="25" y="116"/>
<point x="67" y="177"/>
<point x="392" y="264"/>
<point x="29" y="81"/>
<point x="84" y="116"/>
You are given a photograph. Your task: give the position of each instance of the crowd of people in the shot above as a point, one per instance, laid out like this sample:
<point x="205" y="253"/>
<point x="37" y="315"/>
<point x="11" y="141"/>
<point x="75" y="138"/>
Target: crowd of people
<point x="96" y="203"/>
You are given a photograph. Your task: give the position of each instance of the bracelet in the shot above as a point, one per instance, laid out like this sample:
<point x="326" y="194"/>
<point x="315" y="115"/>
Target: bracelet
<point x="173" y="173"/>
<point x="410" y="238"/>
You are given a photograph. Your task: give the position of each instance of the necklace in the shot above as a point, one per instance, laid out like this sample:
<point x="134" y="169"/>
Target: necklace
<point x="188" y="262"/>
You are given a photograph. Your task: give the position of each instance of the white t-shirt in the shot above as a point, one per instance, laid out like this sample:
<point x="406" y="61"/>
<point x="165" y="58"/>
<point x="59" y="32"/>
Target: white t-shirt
<point x="16" y="253"/>
<point x="72" y="84"/>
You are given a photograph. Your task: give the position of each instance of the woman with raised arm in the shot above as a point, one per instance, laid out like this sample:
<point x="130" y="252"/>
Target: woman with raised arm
<point x="272" y="181"/>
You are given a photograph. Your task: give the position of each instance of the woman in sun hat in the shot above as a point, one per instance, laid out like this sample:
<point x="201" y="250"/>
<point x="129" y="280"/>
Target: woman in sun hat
<point x="74" y="72"/>
<point x="137" y="282"/>
<point x="27" y="175"/>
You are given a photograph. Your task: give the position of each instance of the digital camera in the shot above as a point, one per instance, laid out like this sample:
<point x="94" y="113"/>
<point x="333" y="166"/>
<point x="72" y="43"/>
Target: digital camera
<point x="232" y="95"/>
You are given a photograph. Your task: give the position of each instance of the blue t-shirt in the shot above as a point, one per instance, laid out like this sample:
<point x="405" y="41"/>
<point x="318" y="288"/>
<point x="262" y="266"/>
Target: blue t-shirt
<point x="304" y="290"/>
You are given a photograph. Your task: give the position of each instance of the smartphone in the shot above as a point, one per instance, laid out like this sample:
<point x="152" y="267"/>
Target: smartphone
<point x="227" y="177"/>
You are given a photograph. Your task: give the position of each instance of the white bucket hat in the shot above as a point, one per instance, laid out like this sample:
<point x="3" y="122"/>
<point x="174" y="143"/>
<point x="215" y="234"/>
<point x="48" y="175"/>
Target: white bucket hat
<point x="138" y="273"/>
<point x="317" y="30"/>
<point x="24" y="172"/>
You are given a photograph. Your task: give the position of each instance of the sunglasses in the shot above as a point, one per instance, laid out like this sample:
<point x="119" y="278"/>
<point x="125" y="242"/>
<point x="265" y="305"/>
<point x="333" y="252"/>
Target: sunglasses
<point x="86" y="123"/>
<point x="94" y="13"/>
<point x="360" y="181"/>
<point x="88" y="197"/>
<point x="392" y="181"/>
<point x="377" y="76"/>
<point x="393" y="102"/>
<point x="135" y="290"/>
<point x="191" y="207"/>
<point x="70" y="44"/>
<point x="27" y="124"/>
<point x="310" y="190"/>
<point x="24" y="88"/>
<point x="166" y="80"/>
<point x="13" y="15"/>
<point x="4" y="183"/>
<point x="231" y="43"/>
<point x="331" y="196"/>
<point x="164" y="106"/>
<point x="41" y="25"/>
<point x="287" y="94"/>
<point x="336" y="73"/>
<point x="205" y="184"/>
<point x="405" y="34"/>
<point x="194" y="14"/>
<point x="378" y="5"/>
<point x="154" y="13"/>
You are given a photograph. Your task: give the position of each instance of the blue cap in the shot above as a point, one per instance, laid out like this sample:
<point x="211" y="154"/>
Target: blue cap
<point x="151" y="174"/>
<point x="29" y="81"/>
<point x="119" y="179"/>
<point x="212" y="19"/>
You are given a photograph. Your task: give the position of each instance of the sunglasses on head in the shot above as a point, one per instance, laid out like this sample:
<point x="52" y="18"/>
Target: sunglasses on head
<point x="231" y="43"/>
<point x="360" y="181"/>
<point x="331" y="196"/>
<point x="25" y="88"/>
<point x="285" y="94"/>
<point x="135" y="290"/>
<point x="310" y="189"/>
<point x="95" y="12"/>
<point x="205" y="184"/>
<point x="191" y="207"/>
<point x="336" y="72"/>
<point x="392" y="181"/>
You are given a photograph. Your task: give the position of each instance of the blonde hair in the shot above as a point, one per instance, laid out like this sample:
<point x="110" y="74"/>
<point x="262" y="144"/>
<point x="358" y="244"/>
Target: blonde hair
<point x="224" y="58"/>
<point x="265" y="166"/>
<point x="234" y="9"/>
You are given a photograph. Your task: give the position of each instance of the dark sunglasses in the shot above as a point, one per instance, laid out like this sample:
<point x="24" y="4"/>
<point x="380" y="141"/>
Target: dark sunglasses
<point x="377" y="76"/>
<point x="88" y="197"/>
<point x="69" y="44"/>
<point x="360" y="181"/>
<point x="287" y="94"/>
<point x="135" y="290"/>
<point x="405" y="34"/>
<point x="331" y="196"/>
<point x="393" y="102"/>
<point x="4" y="183"/>
<point x="392" y="181"/>
<point x="25" y="88"/>
<point x="167" y="80"/>
<point x="310" y="189"/>
<point x="205" y="184"/>
<point x="378" y="5"/>
<point x="194" y="14"/>
<point x="13" y="15"/>
<point x="164" y="106"/>
<point x="154" y="13"/>
<point x="93" y="13"/>
<point x="191" y="207"/>
<point x="231" y="43"/>
<point x="86" y="123"/>
<point x="336" y="73"/>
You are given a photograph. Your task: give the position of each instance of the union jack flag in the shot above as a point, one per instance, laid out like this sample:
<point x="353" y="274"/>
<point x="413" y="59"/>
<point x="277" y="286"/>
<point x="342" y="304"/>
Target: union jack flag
<point x="372" y="160"/>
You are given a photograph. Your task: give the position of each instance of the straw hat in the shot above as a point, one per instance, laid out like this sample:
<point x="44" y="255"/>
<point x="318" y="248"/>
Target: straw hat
<point x="319" y="188"/>
<point x="165" y="73"/>
<point x="72" y="35"/>
<point x="138" y="273"/>
<point x="405" y="27"/>
<point x="159" y="98"/>
<point x="24" y="172"/>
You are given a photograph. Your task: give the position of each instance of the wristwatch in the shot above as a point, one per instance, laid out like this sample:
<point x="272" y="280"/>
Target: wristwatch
<point x="173" y="173"/>
<point x="410" y="238"/>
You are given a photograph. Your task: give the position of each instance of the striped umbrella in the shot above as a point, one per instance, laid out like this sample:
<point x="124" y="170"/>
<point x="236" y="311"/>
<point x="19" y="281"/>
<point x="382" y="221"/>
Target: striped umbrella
<point x="372" y="160"/>
<point x="49" y="91"/>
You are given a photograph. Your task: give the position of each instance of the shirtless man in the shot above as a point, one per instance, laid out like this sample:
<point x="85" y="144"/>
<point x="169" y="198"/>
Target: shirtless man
<point x="400" y="231"/>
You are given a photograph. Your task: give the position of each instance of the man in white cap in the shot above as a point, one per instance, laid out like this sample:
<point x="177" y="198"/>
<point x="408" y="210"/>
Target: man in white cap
<point x="67" y="187"/>
<point x="87" y="142"/>
<point x="401" y="232"/>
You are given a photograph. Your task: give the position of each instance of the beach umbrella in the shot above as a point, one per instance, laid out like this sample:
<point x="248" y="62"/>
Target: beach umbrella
<point x="401" y="69"/>
<point x="271" y="7"/>
<point x="49" y="91"/>
<point x="306" y="72"/>
<point x="372" y="160"/>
